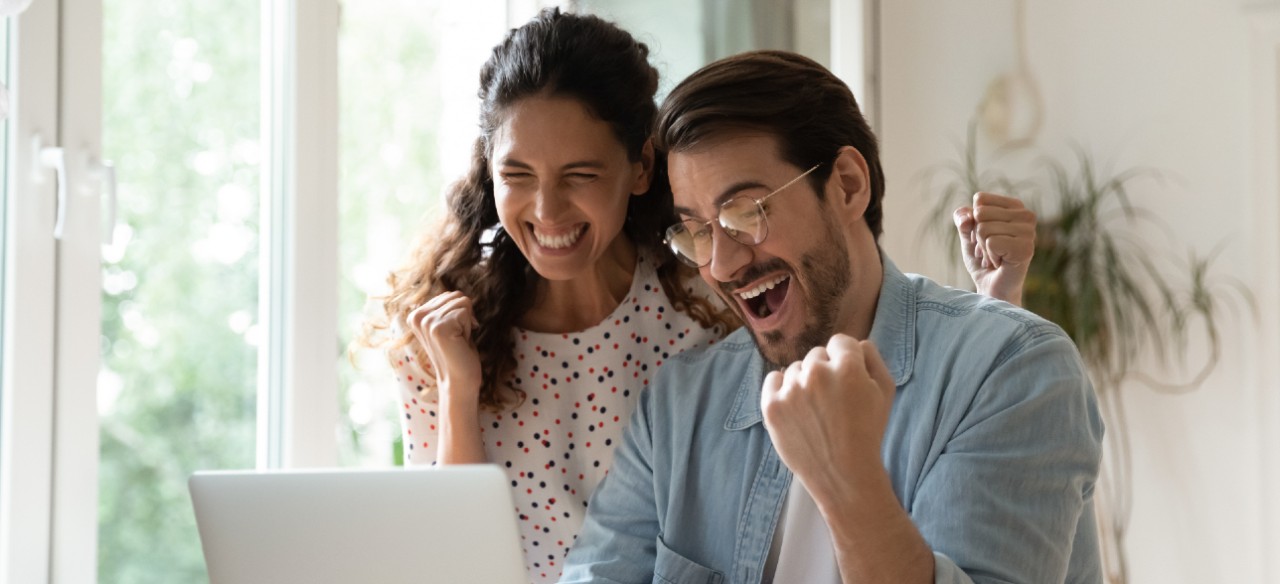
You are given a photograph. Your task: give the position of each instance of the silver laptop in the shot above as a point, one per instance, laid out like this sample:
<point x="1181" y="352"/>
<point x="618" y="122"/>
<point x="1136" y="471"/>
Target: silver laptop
<point x="450" y="525"/>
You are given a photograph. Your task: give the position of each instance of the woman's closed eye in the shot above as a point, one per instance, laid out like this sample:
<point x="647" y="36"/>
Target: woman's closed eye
<point x="578" y="178"/>
<point x="515" y="177"/>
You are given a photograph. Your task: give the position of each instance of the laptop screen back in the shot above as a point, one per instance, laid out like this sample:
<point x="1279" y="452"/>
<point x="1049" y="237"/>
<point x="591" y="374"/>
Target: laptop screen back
<point x="449" y="524"/>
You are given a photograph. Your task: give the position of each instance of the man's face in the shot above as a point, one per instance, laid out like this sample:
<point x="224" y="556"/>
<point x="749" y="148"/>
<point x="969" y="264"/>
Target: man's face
<point x="792" y="289"/>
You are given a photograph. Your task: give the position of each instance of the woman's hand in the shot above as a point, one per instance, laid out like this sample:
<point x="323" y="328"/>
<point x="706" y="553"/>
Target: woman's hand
<point x="443" y="328"/>
<point x="997" y="241"/>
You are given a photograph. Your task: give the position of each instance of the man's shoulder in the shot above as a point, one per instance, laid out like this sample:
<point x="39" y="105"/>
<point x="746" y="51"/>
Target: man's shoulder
<point x="975" y="356"/>
<point x="702" y="373"/>
<point x="736" y="345"/>
<point x="970" y="315"/>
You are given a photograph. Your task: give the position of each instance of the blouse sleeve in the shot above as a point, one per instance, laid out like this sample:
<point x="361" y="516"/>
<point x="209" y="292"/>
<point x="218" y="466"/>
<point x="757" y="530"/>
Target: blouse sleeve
<point x="418" y="397"/>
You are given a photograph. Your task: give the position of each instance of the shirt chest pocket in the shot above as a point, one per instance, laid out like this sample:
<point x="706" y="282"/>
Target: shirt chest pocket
<point x="672" y="568"/>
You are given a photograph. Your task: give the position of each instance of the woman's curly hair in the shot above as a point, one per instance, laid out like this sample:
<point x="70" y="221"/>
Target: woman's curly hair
<point x="608" y="71"/>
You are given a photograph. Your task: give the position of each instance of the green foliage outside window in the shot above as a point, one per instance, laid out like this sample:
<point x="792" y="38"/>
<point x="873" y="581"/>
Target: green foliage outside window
<point x="181" y="121"/>
<point x="182" y="87"/>
<point x="390" y="110"/>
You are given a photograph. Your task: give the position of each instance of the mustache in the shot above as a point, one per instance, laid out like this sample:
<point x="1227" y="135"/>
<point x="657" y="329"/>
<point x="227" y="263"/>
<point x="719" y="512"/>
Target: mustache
<point x="753" y="273"/>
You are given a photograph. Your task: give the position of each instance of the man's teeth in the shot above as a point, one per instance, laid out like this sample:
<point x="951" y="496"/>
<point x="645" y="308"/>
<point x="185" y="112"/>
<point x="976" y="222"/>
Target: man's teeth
<point x="764" y="286"/>
<point x="559" y="241"/>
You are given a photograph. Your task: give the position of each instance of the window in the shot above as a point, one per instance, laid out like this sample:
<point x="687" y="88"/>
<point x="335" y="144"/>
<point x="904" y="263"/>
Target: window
<point x="409" y="73"/>
<point x="178" y="384"/>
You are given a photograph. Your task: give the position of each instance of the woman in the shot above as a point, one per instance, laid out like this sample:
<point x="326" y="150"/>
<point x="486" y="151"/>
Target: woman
<point x="526" y="345"/>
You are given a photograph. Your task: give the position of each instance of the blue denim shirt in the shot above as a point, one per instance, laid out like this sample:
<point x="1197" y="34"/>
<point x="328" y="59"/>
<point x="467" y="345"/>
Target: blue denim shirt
<point x="993" y="446"/>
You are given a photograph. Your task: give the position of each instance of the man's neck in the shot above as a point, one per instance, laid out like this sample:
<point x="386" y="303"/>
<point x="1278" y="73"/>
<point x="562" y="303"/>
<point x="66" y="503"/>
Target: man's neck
<point x="864" y="291"/>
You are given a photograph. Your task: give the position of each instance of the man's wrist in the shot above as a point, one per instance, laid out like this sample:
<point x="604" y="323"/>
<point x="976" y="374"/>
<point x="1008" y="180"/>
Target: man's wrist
<point x="850" y="487"/>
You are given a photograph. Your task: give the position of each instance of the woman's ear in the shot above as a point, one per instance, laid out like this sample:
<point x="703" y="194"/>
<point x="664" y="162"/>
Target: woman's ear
<point x="644" y="177"/>
<point x="854" y="182"/>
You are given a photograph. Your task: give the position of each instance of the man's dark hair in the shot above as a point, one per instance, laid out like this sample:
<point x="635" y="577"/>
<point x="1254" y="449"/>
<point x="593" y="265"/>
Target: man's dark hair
<point x="810" y="110"/>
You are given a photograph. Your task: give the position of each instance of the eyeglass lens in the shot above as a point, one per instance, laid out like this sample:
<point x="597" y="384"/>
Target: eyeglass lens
<point x="741" y="218"/>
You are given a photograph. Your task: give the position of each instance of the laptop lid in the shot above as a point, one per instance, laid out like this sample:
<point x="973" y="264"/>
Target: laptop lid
<point x="451" y="524"/>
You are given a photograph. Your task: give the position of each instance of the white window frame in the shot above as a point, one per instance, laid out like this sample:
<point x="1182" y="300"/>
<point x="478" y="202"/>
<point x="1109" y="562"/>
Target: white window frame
<point x="26" y="463"/>
<point x="48" y="502"/>
<point x="298" y="379"/>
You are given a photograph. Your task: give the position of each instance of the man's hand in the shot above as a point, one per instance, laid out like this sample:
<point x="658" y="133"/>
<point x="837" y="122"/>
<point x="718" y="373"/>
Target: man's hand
<point x="827" y="414"/>
<point x="997" y="240"/>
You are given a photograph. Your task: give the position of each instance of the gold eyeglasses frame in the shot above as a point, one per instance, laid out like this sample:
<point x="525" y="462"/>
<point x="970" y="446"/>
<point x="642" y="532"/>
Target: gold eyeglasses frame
<point x="759" y="234"/>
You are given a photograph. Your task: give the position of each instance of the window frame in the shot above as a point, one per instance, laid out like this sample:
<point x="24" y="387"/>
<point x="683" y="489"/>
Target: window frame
<point x="26" y="474"/>
<point x="78" y="309"/>
<point x="48" y="496"/>
<point x="298" y="379"/>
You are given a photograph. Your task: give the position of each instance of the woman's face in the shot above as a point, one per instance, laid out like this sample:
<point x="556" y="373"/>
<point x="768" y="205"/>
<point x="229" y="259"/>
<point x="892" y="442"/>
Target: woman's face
<point x="562" y="180"/>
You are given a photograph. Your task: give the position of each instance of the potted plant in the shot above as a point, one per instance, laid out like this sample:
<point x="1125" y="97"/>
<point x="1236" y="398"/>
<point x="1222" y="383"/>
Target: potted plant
<point x="1118" y="296"/>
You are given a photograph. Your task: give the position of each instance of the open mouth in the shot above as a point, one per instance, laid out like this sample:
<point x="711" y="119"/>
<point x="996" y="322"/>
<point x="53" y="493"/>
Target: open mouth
<point x="558" y="240"/>
<point x="765" y="298"/>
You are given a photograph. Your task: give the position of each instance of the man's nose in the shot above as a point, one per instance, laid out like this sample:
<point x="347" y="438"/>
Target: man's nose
<point x="728" y="256"/>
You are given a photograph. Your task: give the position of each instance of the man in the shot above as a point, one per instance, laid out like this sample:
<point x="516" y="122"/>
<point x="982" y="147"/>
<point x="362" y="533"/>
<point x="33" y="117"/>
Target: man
<point x="864" y="425"/>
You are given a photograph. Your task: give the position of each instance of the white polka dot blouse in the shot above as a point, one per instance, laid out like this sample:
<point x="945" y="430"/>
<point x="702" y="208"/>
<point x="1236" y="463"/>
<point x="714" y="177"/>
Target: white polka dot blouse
<point x="580" y="390"/>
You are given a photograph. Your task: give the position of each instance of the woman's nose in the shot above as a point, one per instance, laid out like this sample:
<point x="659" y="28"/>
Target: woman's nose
<point x="550" y="201"/>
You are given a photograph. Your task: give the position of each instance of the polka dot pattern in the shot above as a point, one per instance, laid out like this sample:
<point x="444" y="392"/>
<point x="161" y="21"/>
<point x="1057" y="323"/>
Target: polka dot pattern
<point x="581" y="388"/>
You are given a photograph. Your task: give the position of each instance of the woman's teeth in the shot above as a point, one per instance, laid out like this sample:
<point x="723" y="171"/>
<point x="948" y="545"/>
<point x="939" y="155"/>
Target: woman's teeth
<point x="559" y="241"/>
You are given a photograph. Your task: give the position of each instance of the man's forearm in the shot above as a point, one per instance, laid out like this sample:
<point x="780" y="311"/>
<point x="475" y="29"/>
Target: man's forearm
<point x="873" y="537"/>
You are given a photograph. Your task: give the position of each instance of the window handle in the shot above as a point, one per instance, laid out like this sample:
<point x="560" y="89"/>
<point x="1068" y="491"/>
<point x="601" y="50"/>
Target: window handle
<point x="105" y="172"/>
<point x="51" y="157"/>
<point x="55" y="158"/>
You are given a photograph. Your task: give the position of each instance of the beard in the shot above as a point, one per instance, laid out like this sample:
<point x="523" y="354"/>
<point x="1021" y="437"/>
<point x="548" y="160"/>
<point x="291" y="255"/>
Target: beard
<point x="826" y="276"/>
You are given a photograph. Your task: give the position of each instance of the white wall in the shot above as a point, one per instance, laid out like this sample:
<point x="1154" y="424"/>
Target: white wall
<point x="1186" y="86"/>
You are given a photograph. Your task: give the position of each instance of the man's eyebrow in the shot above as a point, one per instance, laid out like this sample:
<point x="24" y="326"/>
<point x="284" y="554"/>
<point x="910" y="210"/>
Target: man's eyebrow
<point x="732" y="191"/>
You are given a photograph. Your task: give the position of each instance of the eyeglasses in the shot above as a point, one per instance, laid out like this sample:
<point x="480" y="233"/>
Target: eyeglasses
<point x="743" y="218"/>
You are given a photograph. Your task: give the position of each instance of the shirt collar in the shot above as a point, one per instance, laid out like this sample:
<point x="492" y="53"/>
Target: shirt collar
<point x="892" y="331"/>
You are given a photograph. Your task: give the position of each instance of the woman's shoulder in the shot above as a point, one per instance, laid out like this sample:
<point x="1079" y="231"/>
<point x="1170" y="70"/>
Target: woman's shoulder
<point x="413" y="372"/>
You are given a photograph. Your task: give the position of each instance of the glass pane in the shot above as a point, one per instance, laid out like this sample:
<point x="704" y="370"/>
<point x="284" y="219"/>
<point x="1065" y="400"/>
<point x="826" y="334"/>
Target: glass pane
<point x="683" y="36"/>
<point x="405" y="134"/>
<point x="177" y="390"/>
<point x="673" y="29"/>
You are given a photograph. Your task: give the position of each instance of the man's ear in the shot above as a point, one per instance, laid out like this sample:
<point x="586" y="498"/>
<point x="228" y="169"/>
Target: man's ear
<point x="854" y="181"/>
<point x="645" y="177"/>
